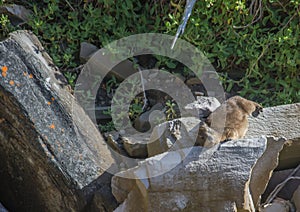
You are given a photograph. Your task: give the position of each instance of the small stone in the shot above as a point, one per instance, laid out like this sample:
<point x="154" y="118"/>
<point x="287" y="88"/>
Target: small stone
<point x="87" y="50"/>
<point x="144" y="123"/>
<point x="205" y="105"/>
<point x="113" y="143"/>
<point x="17" y="14"/>
<point x="278" y="205"/>
<point x="164" y="138"/>
<point x="193" y="81"/>
<point x="136" y="145"/>
<point x="197" y="93"/>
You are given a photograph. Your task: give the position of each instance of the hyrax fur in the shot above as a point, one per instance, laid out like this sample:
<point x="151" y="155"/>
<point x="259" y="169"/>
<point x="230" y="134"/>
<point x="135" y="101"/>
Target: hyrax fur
<point x="228" y="122"/>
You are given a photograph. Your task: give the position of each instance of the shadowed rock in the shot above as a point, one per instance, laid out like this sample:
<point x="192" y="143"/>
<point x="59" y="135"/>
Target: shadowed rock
<point x="49" y="150"/>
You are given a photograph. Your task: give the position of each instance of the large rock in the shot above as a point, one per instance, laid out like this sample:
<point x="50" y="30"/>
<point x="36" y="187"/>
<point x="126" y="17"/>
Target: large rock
<point x="202" y="180"/>
<point x="49" y="150"/>
<point x="188" y="184"/>
<point x="263" y="169"/>
<point x="283" y="153"/>
<point x="279" y="121"/>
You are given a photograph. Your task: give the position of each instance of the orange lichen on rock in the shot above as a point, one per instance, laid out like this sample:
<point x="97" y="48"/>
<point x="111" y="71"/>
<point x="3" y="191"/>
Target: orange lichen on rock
<point x="52" y="126"/>
<point x="49" y="103"/>
<point x="11" y="82"/>
<point x="4" y="71"/>
<point x="30" y="76"/>
<point x="4" y="68"/>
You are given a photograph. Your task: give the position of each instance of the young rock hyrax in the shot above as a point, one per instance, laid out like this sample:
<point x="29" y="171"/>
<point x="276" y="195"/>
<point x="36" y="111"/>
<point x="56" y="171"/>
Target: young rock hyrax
<point x="228" y="122"/>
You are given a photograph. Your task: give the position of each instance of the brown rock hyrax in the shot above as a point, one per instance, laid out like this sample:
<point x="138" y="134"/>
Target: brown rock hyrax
<point x="228" y="122"/>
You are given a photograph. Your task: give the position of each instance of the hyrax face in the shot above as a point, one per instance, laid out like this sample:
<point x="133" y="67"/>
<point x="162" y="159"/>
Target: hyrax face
<point x="257" y="111"/>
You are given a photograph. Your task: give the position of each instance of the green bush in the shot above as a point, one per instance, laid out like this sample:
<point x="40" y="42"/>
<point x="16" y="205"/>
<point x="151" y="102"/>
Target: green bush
<point x="256" y="52"/>
<point x="64" y="26"/>
<point x="259" y="54"/>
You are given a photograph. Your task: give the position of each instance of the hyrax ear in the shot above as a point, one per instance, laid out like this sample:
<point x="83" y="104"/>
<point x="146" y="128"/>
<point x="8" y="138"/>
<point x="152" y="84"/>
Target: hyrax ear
<point x="258" y="109"/>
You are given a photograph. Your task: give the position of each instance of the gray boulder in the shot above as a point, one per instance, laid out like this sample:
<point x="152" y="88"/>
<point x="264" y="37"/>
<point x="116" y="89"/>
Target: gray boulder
<point x="50" y="149"/>
<point x="193" y="179"/>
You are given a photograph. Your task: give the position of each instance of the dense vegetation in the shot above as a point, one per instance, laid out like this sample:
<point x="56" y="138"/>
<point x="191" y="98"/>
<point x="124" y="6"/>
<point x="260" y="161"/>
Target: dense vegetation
<point x="254" y="45"/>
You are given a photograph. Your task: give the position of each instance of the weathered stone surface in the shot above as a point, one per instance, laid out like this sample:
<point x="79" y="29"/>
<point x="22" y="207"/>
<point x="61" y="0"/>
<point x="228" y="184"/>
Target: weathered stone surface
<point x="173" y="135"/>
<point x="2" y="209"/>
<point x="262" y="171"/>
<point x="121" y="70"/>
<point x="205" y="105"/>
<point x="289" y="156"/>
<point x="289" y="188"/>
<point x="49" y="148"/>
<point x="136" y="145"/>
<point x="97" y="69"/>
<point x="277" y="206"/>
<point x="202" y="180"/>
<point x="17" y="14"/>
<point x="279" y="121"/>
<point x="143" y="122"/>
<point x="296" y="198"/>
<point x="87" y="50"/>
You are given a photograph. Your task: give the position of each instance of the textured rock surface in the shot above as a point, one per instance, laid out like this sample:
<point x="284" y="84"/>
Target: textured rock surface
<point x="86" y="51"/>
<point x="143" y="122"/>
<point x="263" y="169"/>
<point x="277" y="206"/>
<point x="136" y="145"/>
<point x="202" y="180"/>
<point x="279" y="121"/>
<point x="17" y="14"/>
<point x="49" y="148"/>
<point x="296" y="198"/>
<point x="2" y="209"/>
<point x="290" y="187"/>
<point x="173" y="135"/>
<point x="205" y="105"/>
